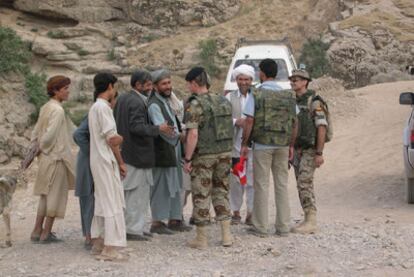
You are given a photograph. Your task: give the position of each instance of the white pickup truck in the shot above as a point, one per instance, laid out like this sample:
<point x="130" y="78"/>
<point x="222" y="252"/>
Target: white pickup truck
<point x="253" y="51"/>
<point x="407" y="98"/>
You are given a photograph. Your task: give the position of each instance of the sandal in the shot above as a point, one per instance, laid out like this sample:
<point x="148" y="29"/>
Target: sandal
<point x="235" y="220"/>
<point x="51" y="238"/>
<point x="117" y="257"/>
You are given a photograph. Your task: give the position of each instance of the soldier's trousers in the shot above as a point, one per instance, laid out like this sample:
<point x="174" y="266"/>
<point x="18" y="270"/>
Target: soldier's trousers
<point x="210" y="183"/>
<point x="304" y="166"/>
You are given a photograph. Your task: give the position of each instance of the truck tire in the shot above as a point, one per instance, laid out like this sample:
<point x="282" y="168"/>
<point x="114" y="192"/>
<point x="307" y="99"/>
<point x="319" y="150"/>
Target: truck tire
<point x="410" y="190"/>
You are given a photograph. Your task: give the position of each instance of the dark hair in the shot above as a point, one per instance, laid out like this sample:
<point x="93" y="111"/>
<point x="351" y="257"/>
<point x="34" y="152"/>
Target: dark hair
<point x="56" y="83"/>
<point x="268" y="67"/>
<point x="199" y="75"/>
<point x="101" y="81"/>
<point x="140" y="76"/>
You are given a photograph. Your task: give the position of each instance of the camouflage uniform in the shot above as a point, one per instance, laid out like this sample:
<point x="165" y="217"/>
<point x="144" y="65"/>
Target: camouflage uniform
<point x="304" y="156"/>
<point x="210" y="174"/>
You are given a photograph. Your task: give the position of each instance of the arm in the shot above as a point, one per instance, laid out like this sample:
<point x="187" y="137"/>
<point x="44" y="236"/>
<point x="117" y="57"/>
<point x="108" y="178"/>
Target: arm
<point x="191" y="143"/>
<point x="320" y="123"/>
<point x="138" y="124"/>
<point x="247" y="130"/>
<point x="81" y="136"/>
<point x="55" y="122"/>
<point x="320" y="143"/>
<point x="157" y="118"/>
<point x="114" y="143"/>
<point x="293" y="138"/>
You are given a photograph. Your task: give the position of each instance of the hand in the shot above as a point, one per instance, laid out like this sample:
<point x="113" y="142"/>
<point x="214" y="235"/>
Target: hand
<point x="240" y="122"/>
<point x="123" y="171"/>
<point x="167" y="129"/>
<point x="318" y="160"/>
<point x="244" y="151"/>
<point x="182" y="137"/>
<point x="187" y="167"/>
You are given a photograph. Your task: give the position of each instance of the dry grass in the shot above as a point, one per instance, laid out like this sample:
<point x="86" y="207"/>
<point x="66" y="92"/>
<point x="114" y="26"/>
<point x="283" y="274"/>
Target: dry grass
<point x="381" y="20"/>
<point x="406" y="7"/>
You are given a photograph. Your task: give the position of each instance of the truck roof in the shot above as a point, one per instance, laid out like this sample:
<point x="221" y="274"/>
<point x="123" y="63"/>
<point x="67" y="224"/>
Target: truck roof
<point x="262" y="51"/>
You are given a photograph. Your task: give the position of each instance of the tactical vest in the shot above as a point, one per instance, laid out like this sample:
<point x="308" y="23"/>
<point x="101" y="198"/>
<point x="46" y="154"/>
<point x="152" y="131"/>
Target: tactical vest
<point x="307" y="131"/>
<point x="274" y="115"/>
<point x="306" y="137"/>
<point x="215" y="131"/>
<point x="164" y="152"/>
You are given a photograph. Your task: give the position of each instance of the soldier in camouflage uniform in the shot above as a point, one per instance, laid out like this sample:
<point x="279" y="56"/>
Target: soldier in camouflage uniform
<point x="309" y="145"/>
<point x="208" y="120"/>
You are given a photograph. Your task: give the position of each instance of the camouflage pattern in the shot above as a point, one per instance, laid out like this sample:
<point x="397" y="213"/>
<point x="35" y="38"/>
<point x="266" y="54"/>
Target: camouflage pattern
<point x="210" y="183"/>
<point x="211" y="115"/>
<point x="312" y="114"/>
<point x="274" y="114"/>
<point x="304" y="165"/>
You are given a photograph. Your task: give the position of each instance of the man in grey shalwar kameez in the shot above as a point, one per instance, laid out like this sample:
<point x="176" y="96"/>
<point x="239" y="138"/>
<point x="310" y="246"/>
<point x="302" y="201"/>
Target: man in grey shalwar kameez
<point x="167" y="173"/>
<point x="84" y="180"/>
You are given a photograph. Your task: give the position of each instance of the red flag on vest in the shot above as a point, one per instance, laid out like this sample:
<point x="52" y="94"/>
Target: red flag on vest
<point x="239" y="170"/>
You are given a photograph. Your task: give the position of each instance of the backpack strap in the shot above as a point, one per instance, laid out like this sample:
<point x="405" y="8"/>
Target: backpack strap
<point x="319" y="98"/>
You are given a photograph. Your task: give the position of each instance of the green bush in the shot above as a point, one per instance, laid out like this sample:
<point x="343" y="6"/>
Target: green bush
<point x="14" y="53"/>
<point x="207" y="56"/>
<point x="83" y="52"/>
<point x="56" y="34"/>
<point x="111" y="55"/>
<point x="35" y="84"/>
<point x="77" y="116"/>
<point x="315" y="58"/>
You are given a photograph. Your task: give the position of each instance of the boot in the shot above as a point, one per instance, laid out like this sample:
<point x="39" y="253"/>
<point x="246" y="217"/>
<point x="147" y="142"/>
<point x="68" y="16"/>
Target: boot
<point x="226" y="234"/>
<point x="200" y="241"/>
<point x="308" y="226"/>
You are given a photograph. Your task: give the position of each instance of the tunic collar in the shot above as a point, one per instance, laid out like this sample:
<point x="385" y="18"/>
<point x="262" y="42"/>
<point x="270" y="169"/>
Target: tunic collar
<point x="55" y="101"/>
<point x="103" y="100"/>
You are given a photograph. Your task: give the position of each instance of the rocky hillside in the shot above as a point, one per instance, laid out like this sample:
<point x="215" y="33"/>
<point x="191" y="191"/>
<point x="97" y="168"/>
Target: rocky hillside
<point x="371" y="41"/>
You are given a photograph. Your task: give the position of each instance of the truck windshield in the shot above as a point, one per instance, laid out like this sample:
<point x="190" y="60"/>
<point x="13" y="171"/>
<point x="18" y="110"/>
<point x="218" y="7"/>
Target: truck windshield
<point x="282" y="71"/>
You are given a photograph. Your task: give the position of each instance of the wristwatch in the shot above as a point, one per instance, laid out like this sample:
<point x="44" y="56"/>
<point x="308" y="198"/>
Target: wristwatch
<point x="319" y="153"/>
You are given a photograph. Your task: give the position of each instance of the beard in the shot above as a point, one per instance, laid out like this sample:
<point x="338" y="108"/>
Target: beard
<point x="165" y="95"/>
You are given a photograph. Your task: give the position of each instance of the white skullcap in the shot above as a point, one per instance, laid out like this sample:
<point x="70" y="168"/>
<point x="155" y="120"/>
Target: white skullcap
<point x="245" y="70"/>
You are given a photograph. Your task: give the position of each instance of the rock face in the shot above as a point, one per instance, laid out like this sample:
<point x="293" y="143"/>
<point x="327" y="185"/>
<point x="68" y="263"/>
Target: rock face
<point x="156" y="13"/>
<point x="14" y="119"/>
<point x="79" y="10"/>
<point x="371" y="45"/>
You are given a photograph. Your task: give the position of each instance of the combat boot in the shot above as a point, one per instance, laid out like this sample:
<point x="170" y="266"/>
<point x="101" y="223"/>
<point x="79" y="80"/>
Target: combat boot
<point x="200" y="241"/>
<point x="226" y="234"/>
<point x="308" y="226"/>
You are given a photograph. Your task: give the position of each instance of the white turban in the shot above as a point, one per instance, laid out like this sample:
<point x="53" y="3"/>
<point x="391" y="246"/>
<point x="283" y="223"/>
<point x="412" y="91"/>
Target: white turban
<point x="245" y="70"/>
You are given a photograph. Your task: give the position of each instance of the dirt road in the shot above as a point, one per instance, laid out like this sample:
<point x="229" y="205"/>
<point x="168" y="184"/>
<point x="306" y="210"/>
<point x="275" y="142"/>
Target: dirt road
<point x="366" y="229"/>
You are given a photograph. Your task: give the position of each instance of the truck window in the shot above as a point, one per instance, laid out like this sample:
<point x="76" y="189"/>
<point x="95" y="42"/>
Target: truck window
<point x="282" y="71"/>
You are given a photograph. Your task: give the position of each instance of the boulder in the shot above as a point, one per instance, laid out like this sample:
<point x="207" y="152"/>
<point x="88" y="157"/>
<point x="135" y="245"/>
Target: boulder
<point x="78" y="10"/>
<point x="43" y="46"/>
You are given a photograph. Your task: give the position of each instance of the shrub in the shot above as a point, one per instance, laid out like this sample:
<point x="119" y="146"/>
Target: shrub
<point x="207" y="56"/>
<point x="315" y="58"/>
<point x="111" y="55"/>
<point x="77" y="116"/>
<point x="35" y="84"/>
<point x="56" y="34"/>
<point x="14" y="53"/>
<point x="83" y="52"/>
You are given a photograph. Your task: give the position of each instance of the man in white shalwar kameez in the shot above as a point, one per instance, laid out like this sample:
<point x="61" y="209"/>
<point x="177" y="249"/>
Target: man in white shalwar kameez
<point x="108" y="223"/>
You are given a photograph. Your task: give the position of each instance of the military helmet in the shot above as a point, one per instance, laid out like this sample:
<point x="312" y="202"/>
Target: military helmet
<point x="302" y="73"/>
